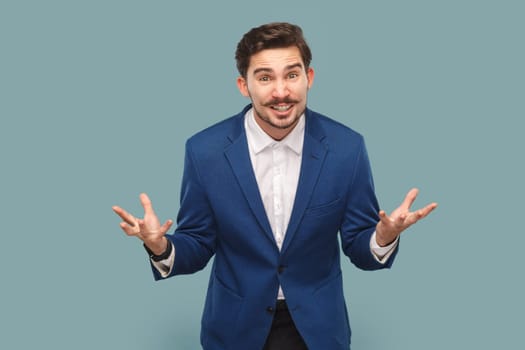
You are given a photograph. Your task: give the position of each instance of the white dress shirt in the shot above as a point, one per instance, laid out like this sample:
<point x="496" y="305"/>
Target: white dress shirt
<point x="277" y="165"/>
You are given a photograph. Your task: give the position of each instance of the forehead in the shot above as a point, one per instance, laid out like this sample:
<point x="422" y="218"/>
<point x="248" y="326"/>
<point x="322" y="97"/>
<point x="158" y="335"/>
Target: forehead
<point x="275" y="59"/>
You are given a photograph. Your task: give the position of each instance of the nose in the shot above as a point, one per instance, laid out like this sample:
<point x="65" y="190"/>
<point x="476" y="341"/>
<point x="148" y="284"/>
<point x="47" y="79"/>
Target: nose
<point x="280" y="88"/>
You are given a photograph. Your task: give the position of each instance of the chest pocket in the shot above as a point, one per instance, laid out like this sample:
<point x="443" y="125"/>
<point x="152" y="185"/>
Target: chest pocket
<point x="324" y="209"/>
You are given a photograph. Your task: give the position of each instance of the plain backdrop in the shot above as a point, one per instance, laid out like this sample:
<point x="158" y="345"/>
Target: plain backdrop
<point x="98" y="97"/>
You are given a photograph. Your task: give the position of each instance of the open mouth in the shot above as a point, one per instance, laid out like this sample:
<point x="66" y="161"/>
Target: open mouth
<point x="281" y="108"/>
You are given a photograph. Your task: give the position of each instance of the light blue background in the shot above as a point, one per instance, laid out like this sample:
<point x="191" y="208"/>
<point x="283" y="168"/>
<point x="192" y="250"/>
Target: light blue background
<point x="98" y="97"/>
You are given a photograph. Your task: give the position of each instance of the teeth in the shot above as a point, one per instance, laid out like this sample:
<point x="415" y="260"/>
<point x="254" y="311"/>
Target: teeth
<point x="281" y="108"/>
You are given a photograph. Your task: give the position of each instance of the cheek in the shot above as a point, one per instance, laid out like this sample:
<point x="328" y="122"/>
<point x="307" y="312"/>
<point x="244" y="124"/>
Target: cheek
<point x="299" y="88"/>
<point x="258" y="95"/>
<point x="304" y="88"/>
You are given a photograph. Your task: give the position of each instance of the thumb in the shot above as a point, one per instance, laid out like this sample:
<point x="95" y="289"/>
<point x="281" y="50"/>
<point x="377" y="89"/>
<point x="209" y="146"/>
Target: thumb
<point x="166" y="226"/>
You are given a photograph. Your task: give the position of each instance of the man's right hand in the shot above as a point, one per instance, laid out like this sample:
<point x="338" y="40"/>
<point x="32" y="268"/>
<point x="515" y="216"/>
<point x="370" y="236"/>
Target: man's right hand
<point x="147" y="229"/>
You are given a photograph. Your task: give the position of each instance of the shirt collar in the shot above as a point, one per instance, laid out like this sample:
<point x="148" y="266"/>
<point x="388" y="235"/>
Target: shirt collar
<point x="259" y="140"/>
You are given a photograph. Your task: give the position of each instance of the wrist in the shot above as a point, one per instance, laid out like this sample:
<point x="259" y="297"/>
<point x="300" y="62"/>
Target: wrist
<point x="381" y="240"/>
<point x="156" y="247"/>
<point x="165" y="254"/>
<point x="383" y="243"/>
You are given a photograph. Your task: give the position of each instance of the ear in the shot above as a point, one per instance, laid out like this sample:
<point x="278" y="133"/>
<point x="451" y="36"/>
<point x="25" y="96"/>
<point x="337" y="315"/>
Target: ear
<point x="310" y="75"/>
<point x="242" y="85"/>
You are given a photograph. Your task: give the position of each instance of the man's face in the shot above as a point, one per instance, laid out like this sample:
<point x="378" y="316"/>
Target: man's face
<point x="277" y="84"/>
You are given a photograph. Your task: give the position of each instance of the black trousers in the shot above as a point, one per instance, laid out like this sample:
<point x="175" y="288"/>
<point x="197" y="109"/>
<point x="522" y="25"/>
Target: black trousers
<point x="283" y="334"/>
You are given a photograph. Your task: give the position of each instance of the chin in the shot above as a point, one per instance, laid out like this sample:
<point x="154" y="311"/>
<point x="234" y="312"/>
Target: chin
<point x="286" y="123"/>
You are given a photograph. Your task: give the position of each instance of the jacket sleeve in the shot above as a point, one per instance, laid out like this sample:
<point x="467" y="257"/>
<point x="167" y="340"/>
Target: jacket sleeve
<point x="361" y="215"/>
<point x="195" y="236"/>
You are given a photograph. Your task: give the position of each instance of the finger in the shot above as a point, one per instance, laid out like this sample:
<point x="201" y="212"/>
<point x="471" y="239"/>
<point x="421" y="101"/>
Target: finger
<point x="164" y="228"/>
<point x="129" y="230"/>
<point x="420" y="214"/>
<point x="409" y="199"/>
<point x="427" y="210"/>
<point x="400" y="221"/>
<point x="124" y="215"/>
<point x="413" y="218"/>
<point x="146" y="204"/>
<point x="384" y="218"/>
<point x="142" y="225"/>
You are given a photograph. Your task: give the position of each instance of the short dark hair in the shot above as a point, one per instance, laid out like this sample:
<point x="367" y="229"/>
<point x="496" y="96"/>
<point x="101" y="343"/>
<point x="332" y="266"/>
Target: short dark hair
<point x="271" y="36"/>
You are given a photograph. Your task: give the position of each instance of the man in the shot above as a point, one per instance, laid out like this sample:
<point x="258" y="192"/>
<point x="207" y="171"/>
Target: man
<point x="267" y="191"/>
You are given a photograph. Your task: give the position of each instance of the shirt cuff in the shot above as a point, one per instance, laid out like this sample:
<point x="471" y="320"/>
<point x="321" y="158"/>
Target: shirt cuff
<point x="164" y="266"/>
<point x="381" y="254"/>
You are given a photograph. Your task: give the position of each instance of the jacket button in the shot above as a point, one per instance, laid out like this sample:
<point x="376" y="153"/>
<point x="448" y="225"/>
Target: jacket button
<point x="280" y="269"/>
<point x="270" y="310"/>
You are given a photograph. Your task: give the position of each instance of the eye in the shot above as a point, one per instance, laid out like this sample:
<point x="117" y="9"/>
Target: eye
<point x="293" y="75"/>
<point x="264" y="78"/>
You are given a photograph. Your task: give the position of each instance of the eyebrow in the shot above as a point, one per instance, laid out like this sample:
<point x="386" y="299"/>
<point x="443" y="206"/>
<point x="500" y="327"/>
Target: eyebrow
<point x="269" y="70"/>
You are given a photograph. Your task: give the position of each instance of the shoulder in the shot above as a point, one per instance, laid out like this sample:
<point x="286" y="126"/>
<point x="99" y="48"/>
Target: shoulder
<point x="331" y="131"/>
<point x="219" y="130"/>
<point x="219" y="135"/>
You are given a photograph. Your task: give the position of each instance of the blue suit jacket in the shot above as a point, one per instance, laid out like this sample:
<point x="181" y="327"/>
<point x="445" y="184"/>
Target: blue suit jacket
<point x="222" y="214"/>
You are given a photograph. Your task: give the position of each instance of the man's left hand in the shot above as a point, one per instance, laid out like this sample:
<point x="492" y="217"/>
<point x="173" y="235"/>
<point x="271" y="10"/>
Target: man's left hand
<point x="390" y="227"/>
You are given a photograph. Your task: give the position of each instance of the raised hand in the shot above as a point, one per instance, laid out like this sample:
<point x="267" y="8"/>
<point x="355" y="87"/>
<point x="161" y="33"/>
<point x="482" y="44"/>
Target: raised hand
<point x="390" y="227"/>
<point x="148" y="229"/>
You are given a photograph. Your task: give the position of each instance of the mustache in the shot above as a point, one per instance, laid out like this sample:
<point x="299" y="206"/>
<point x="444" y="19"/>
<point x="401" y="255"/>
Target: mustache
<point x="278" y="101"/>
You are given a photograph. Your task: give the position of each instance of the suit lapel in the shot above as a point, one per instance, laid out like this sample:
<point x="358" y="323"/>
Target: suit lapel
<point x="314" y="153"/>
<point x="239" y="158"/>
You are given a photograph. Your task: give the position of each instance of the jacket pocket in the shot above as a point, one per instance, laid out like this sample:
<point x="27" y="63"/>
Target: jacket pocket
<point x="323" y="209"/>
<point x="221" y="314"/>
<point x="332" y="312"/>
